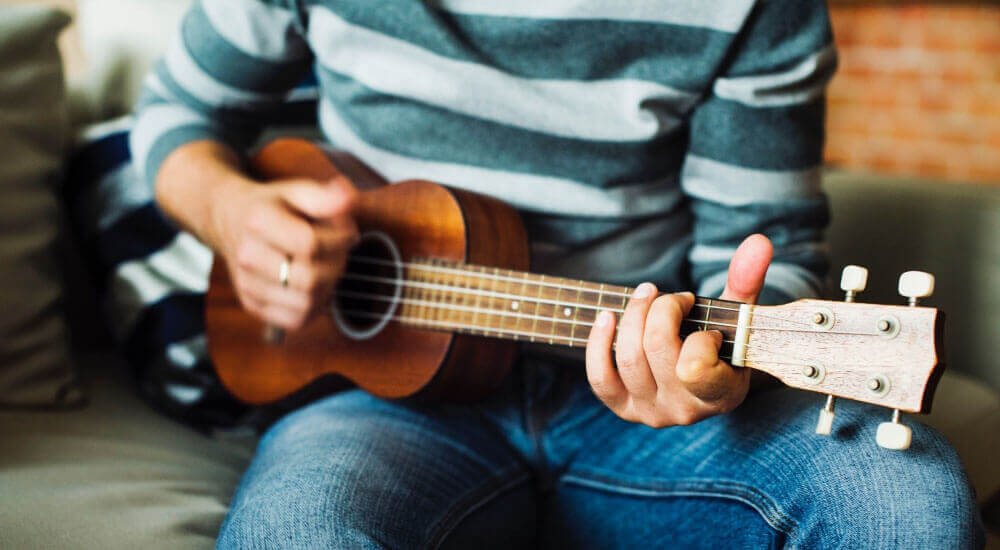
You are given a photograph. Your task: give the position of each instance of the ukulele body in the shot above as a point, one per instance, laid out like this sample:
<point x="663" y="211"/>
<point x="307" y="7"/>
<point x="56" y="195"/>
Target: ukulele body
<point x="407" y="220"/>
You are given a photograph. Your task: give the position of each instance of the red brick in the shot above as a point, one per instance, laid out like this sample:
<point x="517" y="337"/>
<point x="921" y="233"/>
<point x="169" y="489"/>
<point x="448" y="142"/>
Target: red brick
<point x="918" y="90"/>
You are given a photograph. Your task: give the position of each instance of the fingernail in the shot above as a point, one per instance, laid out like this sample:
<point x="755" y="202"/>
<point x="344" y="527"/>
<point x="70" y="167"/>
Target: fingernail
<point x="603" y="319"/>
<point x="717" y="334"/>
<point x="644" y="290"/>
<point x="685" y="293"/>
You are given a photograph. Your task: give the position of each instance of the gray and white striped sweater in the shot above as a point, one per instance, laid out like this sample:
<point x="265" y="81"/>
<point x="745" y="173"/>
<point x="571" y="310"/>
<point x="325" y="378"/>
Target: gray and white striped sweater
<point x="640" y="139"/>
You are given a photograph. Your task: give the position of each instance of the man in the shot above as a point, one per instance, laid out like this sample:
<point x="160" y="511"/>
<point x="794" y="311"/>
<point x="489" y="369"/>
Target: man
<point x="642" y="141"/>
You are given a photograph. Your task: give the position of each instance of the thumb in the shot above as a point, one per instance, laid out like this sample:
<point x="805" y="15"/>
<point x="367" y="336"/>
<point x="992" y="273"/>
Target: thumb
<point x="747" y="269"/>
<point x="320" y="200"/>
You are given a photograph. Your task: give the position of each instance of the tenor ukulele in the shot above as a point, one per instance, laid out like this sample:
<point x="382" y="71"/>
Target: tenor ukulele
<point x="436" y="295"/>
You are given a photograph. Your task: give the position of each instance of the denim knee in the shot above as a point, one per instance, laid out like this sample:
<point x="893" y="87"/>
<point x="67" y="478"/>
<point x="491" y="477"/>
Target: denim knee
<point x="865" y="496"/>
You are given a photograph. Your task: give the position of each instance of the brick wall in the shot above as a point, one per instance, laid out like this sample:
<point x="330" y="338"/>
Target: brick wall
<point x="918" y="90"/>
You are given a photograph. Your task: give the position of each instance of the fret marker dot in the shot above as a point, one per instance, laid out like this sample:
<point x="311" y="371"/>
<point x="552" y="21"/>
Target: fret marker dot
<point x="567" y="312"/>
<point x="514" y="306"/>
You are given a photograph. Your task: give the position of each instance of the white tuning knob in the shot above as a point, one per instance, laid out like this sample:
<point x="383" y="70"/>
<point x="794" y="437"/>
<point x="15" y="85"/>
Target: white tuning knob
<point x="915" y="285"/>
<point x="854" y="278"/>
<point x="825" y="424"/>
<point x="893" y="435"/>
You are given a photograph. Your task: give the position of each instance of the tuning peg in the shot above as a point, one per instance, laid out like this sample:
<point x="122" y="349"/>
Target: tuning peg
<point x="915" y="285"/>
<point x="893" y="435"/>
<point x="825" y="424"/>
<point x="853" y="279"/>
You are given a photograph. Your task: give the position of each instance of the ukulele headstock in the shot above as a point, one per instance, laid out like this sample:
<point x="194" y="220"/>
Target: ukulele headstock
<point x="887" y="355"/>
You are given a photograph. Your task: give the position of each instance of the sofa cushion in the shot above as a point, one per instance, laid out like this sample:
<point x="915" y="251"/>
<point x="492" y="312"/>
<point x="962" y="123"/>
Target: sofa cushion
<point x="967" y="412"/>
<point x="34" y="370"/>
<point x="114" y="474"/>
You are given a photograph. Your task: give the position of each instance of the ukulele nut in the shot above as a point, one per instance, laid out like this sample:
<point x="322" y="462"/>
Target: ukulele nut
<point x="878" y="385"/>
<point x="887" y="326"/>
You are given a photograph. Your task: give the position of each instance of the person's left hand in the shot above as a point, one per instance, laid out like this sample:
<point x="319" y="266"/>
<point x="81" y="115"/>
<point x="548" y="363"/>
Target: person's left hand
<point x="663" y="381"/>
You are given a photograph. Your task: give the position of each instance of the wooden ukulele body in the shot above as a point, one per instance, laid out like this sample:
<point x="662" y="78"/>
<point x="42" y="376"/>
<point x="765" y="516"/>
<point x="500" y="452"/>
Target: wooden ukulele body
<point x="422" y="219"/>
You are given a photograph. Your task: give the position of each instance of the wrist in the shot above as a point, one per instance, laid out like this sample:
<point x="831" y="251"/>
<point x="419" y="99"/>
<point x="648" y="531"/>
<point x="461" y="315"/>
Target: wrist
<point x="223" y="198"/>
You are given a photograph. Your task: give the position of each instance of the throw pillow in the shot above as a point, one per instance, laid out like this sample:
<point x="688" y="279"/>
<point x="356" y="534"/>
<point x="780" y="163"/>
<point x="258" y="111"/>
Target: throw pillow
<point x="35" y="369"/>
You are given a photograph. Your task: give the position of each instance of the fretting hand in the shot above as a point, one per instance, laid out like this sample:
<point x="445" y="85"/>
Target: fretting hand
<point x="661" y="380"/>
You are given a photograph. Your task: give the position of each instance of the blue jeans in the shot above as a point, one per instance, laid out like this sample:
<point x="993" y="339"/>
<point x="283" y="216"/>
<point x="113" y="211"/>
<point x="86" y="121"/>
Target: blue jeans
<point x="544" y="464"/>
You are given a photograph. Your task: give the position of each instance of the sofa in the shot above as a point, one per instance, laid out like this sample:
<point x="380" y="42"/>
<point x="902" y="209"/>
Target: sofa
<point x="86" y="463"/>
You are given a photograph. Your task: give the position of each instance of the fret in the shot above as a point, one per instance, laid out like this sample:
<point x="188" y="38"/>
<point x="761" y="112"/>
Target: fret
<point x="555" y="315"/>
<point x="420" y="292"/>
<point x="448" y="299"/>
<point x="576" y="312"/>
<point x="460" y="297"/>
<point x="520" y="308"/>
<point x="625" y="296"/>
<point x="534" y="322"/>
<point x="500" y="306"/>
<point x="714" y="314"/>
<point x="479" y="298"/>
<point x="409" y="293"/>
<point x="436" y="295"/>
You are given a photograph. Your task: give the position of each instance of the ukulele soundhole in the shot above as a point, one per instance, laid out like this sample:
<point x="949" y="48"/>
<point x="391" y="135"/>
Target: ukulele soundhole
<point x="370" y="290"/>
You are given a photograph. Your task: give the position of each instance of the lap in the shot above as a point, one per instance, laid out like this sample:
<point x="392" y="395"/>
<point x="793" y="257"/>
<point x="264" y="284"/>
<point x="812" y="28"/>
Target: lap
<point x="766" y="456"/>
<point x="354" y="471"/>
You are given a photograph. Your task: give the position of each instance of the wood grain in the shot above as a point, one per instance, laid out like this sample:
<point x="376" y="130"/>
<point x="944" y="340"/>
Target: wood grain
<point x="784" y="339"/>
<point x="424" y="220"/>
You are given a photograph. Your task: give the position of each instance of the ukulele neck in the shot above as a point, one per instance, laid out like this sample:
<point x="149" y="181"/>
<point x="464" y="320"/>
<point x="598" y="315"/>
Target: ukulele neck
<point x="518" y="305"/>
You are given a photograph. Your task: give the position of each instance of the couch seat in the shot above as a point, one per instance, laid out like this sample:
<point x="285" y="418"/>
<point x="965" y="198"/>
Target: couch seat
<point x="114" y="474"/>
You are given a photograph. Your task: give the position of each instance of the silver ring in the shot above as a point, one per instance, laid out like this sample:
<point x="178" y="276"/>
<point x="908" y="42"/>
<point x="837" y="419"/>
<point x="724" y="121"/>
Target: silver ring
<point x="283" y="271"/>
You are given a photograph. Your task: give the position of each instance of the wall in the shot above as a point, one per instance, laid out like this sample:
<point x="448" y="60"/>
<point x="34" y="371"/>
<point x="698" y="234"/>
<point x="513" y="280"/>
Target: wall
<point x="918" y="90"/>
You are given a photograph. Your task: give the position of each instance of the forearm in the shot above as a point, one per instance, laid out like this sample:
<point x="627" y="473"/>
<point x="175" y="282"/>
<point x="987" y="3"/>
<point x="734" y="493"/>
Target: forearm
<point x="194" y="180"/>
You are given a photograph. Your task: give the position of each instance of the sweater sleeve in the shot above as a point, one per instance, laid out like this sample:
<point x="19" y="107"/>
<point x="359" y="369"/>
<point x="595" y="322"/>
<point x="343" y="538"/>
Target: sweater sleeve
<point x="755" y="151"/>
<point x="224" y="76"/>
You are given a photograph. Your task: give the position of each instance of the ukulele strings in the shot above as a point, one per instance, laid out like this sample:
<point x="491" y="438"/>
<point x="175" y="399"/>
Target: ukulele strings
<point x="524" y="282"/>
<point x="568" y="340"/>
<point x="454" y="289"/>
<point x="487" y="311"/>
<point x="519" y="315"/>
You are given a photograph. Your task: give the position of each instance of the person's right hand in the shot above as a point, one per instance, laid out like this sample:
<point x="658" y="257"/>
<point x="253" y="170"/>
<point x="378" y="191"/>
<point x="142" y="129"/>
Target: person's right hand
<point x="305" y="222"/>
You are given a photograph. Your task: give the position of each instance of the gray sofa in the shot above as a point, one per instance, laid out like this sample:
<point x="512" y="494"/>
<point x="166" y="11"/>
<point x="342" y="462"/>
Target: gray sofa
<point x="112" y="473"/>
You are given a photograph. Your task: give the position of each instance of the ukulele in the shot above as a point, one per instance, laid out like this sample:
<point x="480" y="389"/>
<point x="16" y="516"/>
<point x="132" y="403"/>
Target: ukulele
<point x="436" y="296"/>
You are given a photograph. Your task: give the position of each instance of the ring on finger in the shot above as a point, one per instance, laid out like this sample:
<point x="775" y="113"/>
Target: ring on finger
<point x="284" y="271"/>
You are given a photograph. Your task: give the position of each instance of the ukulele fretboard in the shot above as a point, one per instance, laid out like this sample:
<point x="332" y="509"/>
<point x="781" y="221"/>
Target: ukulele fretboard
<point x="503" y="303"/>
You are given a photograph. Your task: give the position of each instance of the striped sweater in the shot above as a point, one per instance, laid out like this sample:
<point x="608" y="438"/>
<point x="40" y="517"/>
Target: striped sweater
<point x="640" y="139"/>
